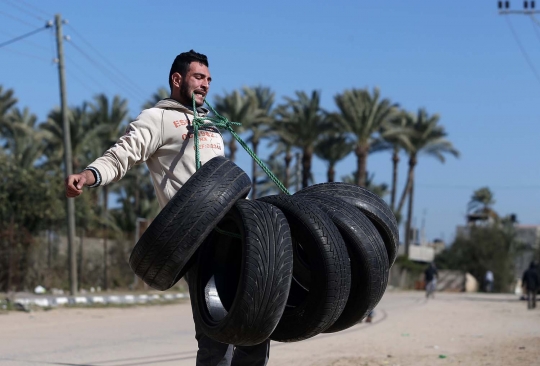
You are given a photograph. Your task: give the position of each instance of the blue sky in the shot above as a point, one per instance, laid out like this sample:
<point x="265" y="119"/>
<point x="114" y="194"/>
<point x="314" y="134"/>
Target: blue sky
<point x="455" y="58"/>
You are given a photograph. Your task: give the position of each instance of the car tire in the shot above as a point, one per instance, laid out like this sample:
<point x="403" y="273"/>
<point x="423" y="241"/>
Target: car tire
<point x="160" y="256"/>
<point x="240" y="284"/>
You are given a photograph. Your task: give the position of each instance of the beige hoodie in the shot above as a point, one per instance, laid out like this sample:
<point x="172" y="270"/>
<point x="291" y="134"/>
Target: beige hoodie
<point x="163" y="138"/>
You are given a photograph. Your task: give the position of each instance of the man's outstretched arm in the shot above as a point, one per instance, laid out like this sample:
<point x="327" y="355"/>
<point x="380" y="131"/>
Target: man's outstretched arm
<point x="74" y="183"/>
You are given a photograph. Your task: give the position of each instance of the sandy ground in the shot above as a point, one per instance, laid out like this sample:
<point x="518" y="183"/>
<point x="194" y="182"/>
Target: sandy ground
<point x="453" y="329"/>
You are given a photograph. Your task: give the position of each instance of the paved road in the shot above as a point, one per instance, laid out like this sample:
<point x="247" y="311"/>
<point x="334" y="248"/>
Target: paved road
<point x="163" y="335"/>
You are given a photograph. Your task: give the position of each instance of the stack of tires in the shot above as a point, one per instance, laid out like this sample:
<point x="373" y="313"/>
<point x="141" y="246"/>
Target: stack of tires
<point x="280" y="267"/>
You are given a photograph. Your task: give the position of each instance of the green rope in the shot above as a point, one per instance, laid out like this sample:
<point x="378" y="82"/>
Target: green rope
<point x="221" y="122"/>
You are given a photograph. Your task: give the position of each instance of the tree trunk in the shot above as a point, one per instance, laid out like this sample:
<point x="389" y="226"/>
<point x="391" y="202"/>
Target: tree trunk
<point x="105" y="234"/>
<point x="306" y="166"/>
<point x="405" y="192"/>
<point x="232" y="149"/>
<point x="395" y="162"/>
<point x="331" y="172"/>
<point x="49" y="248"/>
<point x="298" y="170"/>
<point x="361" y="156"/>
<point x="412" y="164"/>
<point x="288" y="159"/>
<point x="255" y="145"/>
<point x="81" y="257"/>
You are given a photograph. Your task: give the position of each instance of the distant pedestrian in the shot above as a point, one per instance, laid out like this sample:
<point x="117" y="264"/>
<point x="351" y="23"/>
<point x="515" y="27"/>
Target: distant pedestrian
<point x="370" y="316"/>
<point x="489" y="281"/>
<point x="530" y="283"/>
<point x="431" y="275"/>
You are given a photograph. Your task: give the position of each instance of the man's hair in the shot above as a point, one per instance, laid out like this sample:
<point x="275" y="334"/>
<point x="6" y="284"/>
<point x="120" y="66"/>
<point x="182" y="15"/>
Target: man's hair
<point x="182" y="61"/>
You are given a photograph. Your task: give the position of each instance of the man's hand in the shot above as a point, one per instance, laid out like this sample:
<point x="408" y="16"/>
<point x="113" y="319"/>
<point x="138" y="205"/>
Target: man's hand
<point x="75" y="183"/>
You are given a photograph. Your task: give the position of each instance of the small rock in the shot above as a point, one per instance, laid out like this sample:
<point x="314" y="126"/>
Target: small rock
<point x="521" y="347"/>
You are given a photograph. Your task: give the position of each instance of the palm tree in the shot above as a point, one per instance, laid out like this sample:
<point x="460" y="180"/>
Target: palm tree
<point x="362" y="114"/>
<point x="280" y="136"/>
<point x="258" y="127"/>
<point x="7" y="101"/>
<point x="236" y="107"/>
<point x="306" y="122"/>
<point x="23" y="141"/>
<point x="380" y="190"/>
<point x="266" y="185"/>
<point x="108" y="116"/>
<point x="332" y="148"/>
<point x="425" y="136"/>
<point x="84" y="138"/>
<point x="480" y="206"/>
<point x="160" y="94"/>
<point x="397" y="142"/>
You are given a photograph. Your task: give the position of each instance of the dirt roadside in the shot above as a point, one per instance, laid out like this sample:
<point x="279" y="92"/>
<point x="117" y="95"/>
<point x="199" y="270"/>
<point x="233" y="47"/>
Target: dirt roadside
<point x="410" y="330"/>
<point x="453" y="329"/>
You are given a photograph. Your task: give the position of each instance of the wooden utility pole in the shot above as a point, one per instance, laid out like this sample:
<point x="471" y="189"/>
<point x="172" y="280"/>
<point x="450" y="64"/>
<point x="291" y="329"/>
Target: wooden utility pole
<point x="68" y="161"/>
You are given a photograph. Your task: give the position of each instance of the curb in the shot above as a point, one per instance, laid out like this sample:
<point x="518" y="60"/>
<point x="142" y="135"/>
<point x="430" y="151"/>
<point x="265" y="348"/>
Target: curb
<point x="96" y="299"/>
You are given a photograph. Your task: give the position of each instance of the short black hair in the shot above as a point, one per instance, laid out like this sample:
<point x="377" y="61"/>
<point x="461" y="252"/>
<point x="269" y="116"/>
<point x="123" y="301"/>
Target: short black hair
<point x="182" y="61"/>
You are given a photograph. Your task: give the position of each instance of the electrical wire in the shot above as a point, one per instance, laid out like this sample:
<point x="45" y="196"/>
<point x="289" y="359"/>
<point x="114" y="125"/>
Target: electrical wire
<point x="24" y="10"/>
<point x="23" y="36"/>
<point x="535" y="27"/>
<point x="36" y="8"/>
<point x="34" y="44"/>
<point x="17" y="19"/>
<point x="433" y="186"/>
<point x="107" y="73"/>
<point x="80" y="81"/>
<point x="27" y="55"/>
<point x="127" y="79"/>
<point x="84" y="71"/>
<point x="525" y="54"/>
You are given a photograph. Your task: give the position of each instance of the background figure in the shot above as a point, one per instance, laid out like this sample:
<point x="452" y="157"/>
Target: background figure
<point x="530" y="283"/>
<point x="489" y="281"/>
<point x="431" y="280"/>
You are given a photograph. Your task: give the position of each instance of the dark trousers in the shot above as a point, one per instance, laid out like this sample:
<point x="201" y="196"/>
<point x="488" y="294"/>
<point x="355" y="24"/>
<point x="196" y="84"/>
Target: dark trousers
<point x="531" y="299"/>
<point x="214" y="353"/>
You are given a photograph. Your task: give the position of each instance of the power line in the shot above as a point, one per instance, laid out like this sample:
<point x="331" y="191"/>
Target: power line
<point x="80" y="81"/>
<point x="24" y="10"/>
<point x="34" y="44"/>
<point x="25" y="35"/>
<point x="17" y="19"/>
<point x="535" y="27"/>
<point x="107" y="73"/>
<point x="525" y="55"/>
<point x="84" y="71"/>
<point x="36" y="8"/>
<point x="458" y="186"/>
<point x="28" y="55"/>
<point x="126" y="78"/>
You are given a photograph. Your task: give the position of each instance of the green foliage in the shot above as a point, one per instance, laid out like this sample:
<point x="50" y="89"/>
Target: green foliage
<point x="29" y="201"/>
<point x="484" y="248"/>
<point x="380" y="190"/>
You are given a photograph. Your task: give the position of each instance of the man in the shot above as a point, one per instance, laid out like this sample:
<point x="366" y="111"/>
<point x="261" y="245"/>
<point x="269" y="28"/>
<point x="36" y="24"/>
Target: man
<point x="489" y="281"/>
<point x="162" y="137"/>
<point x="530" y="283"/>
<point x="431" y="280"/>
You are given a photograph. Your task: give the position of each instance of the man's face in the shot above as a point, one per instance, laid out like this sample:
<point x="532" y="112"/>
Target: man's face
<point x="197" y="81"/>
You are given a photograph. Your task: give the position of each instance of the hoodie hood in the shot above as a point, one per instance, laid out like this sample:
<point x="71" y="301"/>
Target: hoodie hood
<point x="170" y="103"/>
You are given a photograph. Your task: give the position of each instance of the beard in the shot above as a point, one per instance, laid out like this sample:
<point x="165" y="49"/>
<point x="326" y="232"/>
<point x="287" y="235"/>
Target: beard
<point x="187" y="95"/>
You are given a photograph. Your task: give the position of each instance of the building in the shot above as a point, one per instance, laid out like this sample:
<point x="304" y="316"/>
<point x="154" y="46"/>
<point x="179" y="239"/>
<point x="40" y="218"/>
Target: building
<point x="529" y="238"/>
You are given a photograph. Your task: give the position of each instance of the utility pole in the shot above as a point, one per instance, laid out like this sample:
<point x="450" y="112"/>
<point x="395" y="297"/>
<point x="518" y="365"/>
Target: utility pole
<point x="68" y="161"/>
